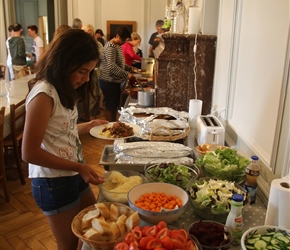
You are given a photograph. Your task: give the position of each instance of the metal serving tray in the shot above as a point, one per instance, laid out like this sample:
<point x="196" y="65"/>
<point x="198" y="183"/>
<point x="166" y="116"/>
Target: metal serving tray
<point x="108" y="161"/>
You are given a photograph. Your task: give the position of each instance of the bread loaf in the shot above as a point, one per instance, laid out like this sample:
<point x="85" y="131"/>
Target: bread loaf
<point x="132" y="221"/>
<point x="93" y="234"/>
<point x="87" y="219"/>
<point x="114" y="213"/>
<point x="103" y="209"/>
<point x="101" y="226"/>
<point x="115" y="231"/>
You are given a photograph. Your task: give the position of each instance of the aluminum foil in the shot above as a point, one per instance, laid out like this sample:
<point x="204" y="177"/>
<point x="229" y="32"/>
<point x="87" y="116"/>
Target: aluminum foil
<point x="125" y="159"/>
<point x="151" y="124"/>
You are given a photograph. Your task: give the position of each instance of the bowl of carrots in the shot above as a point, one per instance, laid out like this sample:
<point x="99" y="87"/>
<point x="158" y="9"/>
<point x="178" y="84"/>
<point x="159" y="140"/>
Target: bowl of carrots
<point x="157" y="201"/>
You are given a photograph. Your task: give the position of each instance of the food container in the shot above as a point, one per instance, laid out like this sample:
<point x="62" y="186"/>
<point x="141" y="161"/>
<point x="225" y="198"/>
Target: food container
<point x="146" y="98"/>
<point x="148" y="65"/>
<point x="93" y="244"/>
<point x="153" y="217"/>
<point x="211" y="198"/>
<point x="266" y="237"/>
<point x="114" y="195"/>
<point x="176" y="174"/>
<point x="211" y="235"/>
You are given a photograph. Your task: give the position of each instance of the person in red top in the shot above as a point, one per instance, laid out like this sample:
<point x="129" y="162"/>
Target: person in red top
<point x="128" y="49"/>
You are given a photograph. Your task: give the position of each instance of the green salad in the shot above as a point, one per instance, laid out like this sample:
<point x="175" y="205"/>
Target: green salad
<point x="178" y="175"/>
<point x="224" y="164"/>
<point x="214" y="194"/>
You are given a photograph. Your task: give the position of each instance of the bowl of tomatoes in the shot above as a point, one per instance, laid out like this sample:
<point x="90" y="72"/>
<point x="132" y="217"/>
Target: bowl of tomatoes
<point x="157" y="236"/>
<point x="157" y="201"/>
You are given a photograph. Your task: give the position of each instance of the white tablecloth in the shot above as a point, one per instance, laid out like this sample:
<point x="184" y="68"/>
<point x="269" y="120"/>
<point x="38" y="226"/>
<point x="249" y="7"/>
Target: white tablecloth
<point x="18" y="91"/>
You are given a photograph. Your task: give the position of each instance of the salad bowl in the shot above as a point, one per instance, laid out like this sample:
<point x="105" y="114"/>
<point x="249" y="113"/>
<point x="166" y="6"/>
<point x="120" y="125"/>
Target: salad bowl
<point x="224" y="164"/>
<point x="211" y="198"/>
<point x="179" y="175"/>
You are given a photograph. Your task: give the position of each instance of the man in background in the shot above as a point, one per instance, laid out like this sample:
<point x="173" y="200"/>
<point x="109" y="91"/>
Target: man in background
<point x="154" y="40"/>
<point x="9" y="60"/>
<point x="17" y="51"/>
<point x="77" y="23"/>
<point x="37" y="47"/>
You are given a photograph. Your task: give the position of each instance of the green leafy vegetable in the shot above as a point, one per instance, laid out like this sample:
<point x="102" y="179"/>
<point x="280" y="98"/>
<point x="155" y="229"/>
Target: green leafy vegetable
<point x="224" y="164"/>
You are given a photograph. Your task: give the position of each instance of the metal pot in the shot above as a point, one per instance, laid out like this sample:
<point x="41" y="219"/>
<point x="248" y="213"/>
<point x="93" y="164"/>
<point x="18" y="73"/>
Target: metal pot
<point x="146" y="98"/>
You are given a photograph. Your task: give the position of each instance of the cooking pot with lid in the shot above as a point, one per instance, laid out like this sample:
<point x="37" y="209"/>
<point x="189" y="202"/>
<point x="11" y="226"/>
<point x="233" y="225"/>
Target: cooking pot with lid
<point x="146" y="98"/>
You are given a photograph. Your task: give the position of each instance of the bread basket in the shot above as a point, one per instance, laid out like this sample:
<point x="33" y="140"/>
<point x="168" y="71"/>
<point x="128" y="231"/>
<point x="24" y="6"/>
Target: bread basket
<point x="92" y="244"/>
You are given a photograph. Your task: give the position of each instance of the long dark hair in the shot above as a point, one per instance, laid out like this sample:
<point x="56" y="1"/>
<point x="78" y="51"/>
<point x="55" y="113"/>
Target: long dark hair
<point x="65" y="54"/>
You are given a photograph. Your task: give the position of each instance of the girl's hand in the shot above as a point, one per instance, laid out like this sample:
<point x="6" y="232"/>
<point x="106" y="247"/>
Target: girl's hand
<point x="90" y="176"/>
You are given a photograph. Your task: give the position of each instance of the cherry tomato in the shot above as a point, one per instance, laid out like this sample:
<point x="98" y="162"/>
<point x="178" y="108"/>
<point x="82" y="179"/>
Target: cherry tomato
<point x="167" y="242"/>
<point x="190" y="245"/>
<point x="153" y="243"/>
<point x="183" y="231"/>
<point x="163" y="232"/>
<point x="151" y="231"/>
<point x="122" y="246"/>
<point x="144" y="240"/>
<point x="160" y="225"/>
<point x="129" y="238"/>
<point x="136" y="231"/>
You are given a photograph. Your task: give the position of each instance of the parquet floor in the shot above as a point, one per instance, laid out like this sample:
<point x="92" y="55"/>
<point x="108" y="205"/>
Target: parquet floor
<point x="22" y="224"/>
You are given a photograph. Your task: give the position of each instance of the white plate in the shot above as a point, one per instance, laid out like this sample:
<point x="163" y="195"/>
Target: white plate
<point x="95" y="131"/>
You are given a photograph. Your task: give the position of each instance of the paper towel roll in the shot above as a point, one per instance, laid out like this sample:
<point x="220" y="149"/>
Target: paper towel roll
<point x="194" y="20"/>
<point x="195" y="106"/>
<point x="278" y="205"/>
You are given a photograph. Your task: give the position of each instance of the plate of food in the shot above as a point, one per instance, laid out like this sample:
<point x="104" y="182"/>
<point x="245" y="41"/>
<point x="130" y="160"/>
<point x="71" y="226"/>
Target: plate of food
<point x="115" y="130"/>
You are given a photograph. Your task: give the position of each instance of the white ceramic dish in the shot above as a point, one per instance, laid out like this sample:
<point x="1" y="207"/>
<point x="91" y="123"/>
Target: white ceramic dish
<point x="95" y="131"/>
<point x="155" y="217"/>
<point x="262" y="230"/>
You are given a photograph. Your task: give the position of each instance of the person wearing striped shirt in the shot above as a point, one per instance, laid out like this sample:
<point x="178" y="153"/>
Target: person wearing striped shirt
<point x="114" y="72"/>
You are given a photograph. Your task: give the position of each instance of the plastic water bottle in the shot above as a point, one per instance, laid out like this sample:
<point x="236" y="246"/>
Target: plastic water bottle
<point x="252" y="174"/>
<point x="235" y="218"/>
<point x="178" y="19"/>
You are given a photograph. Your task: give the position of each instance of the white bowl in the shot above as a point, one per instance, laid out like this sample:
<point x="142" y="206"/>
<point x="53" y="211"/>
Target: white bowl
<point x="262" y="230"/>
<point x="155" y="217"/>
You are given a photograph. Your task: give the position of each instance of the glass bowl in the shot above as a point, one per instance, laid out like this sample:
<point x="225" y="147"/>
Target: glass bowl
<point x="211" y="235"/>
<point x="179" y="175"/>
<point x="118" y="183"/>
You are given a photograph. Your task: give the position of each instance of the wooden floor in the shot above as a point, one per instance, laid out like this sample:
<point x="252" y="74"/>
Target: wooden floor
<point x="22" y="223"/>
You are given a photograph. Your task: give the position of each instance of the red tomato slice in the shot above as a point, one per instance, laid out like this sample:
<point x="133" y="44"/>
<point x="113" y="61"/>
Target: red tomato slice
<point x="136" y="231"/>
<point x="153" y="243"/>
<point x="167" y="242"/>
<point x="163" y="232"/>
<point x="190" y="245"/>
<point x="160" y="225"/>
<point x="133" y="246"/>
<point x="144" y="229"/>
<point x="122" y="246"/>
<point x="177" y="235"/>
<point x="144" y="240"/>
<point x="177" y="244"/>
<point x="159" y="248"/>
<point x="151" y="231"/>
<point x="183" y="231"/>
<point x="129" y="238"/>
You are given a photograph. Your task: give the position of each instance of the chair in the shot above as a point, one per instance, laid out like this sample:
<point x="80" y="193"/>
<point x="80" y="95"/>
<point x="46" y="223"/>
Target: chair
<point x="25" y="71"/>
<point x="17" y="118"/>
<point x="2" y="71"/>
<point x="2" y="165"/>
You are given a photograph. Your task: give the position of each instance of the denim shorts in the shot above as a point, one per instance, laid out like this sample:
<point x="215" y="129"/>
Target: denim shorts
<point x="59" y="194"/>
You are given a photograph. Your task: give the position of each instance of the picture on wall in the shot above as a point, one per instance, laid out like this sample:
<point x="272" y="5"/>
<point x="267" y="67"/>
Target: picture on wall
<point x="112" y="26"/>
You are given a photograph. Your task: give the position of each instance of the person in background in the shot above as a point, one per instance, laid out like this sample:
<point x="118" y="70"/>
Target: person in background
<point x="37" y="47"/>
<point x="9" y="59"/>
<point x="17" y="51"/>
<point x="128" y="49"/>
<point x="77" y="23"/>
<point x="154" y="40"/>
<point x="51" y="143"/>
<point x="99" y="34"/>
<point x="60" y="29"/>
<point x="89" y="108"/>
<point x="114" y="72"/>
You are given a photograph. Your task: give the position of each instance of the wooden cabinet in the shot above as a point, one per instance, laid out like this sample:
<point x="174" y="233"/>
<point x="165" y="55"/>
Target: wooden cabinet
<point x="174" y="71"/>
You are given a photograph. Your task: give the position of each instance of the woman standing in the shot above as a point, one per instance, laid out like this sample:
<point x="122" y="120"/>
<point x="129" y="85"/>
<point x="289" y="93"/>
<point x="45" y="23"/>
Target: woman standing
<point x="128" y="49"/>
<point x="51" y="145"/>
<point x="114" y="72"/>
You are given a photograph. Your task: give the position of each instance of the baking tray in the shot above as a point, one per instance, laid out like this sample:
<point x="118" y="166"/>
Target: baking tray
<point x="108" y="161"/>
